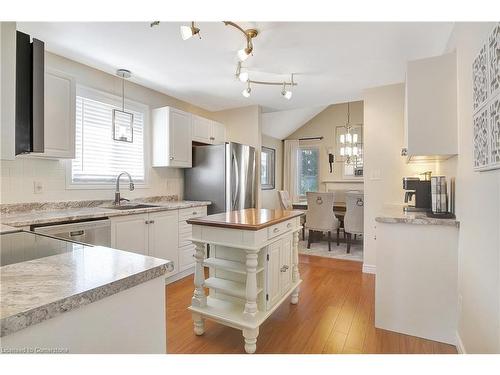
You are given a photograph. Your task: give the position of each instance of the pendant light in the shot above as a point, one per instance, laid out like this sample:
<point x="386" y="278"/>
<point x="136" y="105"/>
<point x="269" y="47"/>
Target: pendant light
<point x="123" y="121"/>
<point x="246" y="92"/>
<point x="189" y="31"/>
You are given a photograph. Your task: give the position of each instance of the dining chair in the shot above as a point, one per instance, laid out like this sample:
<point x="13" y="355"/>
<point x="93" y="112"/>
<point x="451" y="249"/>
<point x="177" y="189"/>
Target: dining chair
<point x="320" y="216"/>
<point x="286" y="204"/>
<point x="353" y="220"/>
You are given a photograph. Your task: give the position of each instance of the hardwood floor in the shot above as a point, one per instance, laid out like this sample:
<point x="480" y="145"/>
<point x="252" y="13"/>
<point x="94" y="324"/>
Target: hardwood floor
<point x="335" y="314"/>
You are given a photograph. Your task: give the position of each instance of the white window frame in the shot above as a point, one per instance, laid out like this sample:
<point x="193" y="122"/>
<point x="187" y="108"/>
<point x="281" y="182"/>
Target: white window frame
<point x="112" y="99"/>
<point x="307" y="147"/>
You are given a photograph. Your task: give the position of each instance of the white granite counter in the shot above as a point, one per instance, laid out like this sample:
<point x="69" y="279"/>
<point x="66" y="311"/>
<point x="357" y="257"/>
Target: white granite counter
<point x="8" y="229"/>
<point x="398" y="216"/>
<point x="36" y="290"/>
<point x="20" y="215"/>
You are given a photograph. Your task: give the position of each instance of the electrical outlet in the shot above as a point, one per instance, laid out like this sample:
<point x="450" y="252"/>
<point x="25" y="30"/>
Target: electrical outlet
<point x="37" y="187"/>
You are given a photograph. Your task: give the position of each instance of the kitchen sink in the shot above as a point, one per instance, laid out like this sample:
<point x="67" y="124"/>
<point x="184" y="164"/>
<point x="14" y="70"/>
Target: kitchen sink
<point x="131" y="206"/>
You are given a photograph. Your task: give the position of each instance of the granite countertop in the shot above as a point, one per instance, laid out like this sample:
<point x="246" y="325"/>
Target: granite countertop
<point x="8" y="229"/>
<point x="398" y="216"/>
<point x="36" y="290"/>
<point x="247" y="219"/>
<point x="20" y="215"/>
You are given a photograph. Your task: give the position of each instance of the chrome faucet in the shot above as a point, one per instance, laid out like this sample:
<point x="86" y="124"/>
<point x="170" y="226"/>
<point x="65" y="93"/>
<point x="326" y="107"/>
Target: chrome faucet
<point x="118" y="199"/>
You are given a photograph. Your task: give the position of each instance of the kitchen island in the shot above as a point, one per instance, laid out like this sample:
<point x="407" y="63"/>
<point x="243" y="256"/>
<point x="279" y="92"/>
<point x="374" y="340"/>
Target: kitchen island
<point x="65" y="297"/>
<point x="252" y="256"/>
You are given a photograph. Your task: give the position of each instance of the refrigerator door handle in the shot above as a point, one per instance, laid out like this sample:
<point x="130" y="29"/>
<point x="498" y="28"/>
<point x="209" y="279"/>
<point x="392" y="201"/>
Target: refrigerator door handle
<point x="236" y="186"/>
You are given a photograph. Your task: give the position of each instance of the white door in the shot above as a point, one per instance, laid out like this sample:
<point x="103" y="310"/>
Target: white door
<point x="179" y="138"/>
<point x="59" y="116"/>
<point x="273" y="273"/>
<point x="286" y="265"/>
<point x="218" y="133"/>
<point x="130" y="233"/>
<point x="163" y="237"/>
<point x="202" y="129"/>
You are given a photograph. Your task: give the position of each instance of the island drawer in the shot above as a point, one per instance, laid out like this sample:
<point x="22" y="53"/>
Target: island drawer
<point x="192" y="212"/>
<point x="278" y="229"/>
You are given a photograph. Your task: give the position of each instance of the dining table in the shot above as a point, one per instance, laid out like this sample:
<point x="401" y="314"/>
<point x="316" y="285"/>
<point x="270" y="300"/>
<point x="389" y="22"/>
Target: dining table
<point x="338" y="207"/>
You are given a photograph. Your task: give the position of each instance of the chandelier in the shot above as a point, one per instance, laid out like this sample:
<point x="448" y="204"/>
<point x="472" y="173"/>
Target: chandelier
<point x="350" y="146"/>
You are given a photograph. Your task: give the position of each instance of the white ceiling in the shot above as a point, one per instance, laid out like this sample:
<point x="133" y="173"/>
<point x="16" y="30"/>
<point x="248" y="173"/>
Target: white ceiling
<point x="280" y="124"/>
<point x="333" y="61"/>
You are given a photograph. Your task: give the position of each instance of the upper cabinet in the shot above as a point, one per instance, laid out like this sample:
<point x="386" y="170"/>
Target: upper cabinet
<point x="172" y="137"/>
<point x="208" y="131"/>
<point x="7" y="90"/>
<point x="431" y="108"/>
<point x="59" y="116"/>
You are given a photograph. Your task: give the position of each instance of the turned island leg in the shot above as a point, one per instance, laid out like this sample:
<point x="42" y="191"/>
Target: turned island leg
<point x="251" y="284"/>
<point x="250" y="336"/>
<point x="199" y="298"/>
<point x="295" y="267"/>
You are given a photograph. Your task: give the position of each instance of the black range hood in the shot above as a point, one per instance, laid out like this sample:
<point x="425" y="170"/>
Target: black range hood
<point x="30" y="80"/>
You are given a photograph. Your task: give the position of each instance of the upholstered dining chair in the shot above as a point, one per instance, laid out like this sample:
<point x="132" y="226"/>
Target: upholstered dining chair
<point x="320" y="216"/>
<point x="354" y="215"/>
<point x="286" y="204"/>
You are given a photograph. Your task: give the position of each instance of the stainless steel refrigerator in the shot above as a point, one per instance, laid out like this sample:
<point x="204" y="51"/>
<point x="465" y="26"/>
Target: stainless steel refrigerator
<point x="223" y="174"/>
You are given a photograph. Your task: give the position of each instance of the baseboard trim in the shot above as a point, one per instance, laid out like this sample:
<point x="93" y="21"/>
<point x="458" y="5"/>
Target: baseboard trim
<point x="460" y="345"/>
<point x="179" y="275"/>
<point x="369" y="268"/>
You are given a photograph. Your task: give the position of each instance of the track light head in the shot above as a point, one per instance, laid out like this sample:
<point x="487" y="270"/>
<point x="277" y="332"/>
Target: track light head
<point x="247" y="91"/>
<point x="189" y="31"/>
<point x="287" y="94"/>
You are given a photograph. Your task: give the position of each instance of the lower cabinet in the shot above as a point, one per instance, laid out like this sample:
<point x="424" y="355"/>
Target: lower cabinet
<point x="164" y="235"/>
<point x="279" y="269"/>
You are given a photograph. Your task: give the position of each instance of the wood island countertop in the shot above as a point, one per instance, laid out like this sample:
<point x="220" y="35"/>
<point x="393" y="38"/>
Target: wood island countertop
<point x="247" y="219"/>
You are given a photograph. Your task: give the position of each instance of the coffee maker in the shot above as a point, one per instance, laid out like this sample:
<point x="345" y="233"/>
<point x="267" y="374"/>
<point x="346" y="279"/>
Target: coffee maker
<point x="420" y="190"/>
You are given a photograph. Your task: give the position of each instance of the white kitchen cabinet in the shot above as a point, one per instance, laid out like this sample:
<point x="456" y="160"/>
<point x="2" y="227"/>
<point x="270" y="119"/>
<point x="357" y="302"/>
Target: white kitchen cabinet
<point x="431" y="109"/>
<point x="130" y="233"/>
<point x="172" y="137"/>
<point x="186" y="247"/>
<point x="208" y="131"/>
<point x="59" y="117"/>
<point x="279" y="262"/>
<point x="162" y="237"/>
<point x="202" y="129"/>
<point x="218" y="133"/>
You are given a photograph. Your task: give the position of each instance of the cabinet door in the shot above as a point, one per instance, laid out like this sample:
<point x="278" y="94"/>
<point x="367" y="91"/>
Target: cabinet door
<point x="286" y="264"/>
<point x="202" y="129"/>
<point x="59" y="118"/>
<point x="130" y="233"/>
<point x="273" y="273"/>
<point x="218" y="133"/>
<point x="163" y="237"/>
<point x="179" y="138"/>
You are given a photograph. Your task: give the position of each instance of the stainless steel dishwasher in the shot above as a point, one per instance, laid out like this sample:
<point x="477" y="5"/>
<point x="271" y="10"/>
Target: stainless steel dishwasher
<point x="92" y="232"/>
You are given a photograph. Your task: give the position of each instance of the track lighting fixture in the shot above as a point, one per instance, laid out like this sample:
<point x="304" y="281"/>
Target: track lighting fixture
<point x="242" y="76"/>
<point x="244" y="53"/>
<point x="246" y="92"/>
<point x="189" y="31"/>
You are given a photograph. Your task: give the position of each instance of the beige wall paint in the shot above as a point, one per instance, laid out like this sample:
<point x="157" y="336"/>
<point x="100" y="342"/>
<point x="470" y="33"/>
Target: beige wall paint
<point x="270" y="197"/>
<point x="324" y="124"/>
<point x="17" y="176"/>
<point x="384" y="167"/>
<point x="478" y="210"/>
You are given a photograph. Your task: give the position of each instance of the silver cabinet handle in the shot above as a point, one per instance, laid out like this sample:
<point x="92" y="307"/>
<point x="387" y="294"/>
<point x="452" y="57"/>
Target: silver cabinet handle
<point x="289" y="225"/>
<point x="194" y="213"/>
<point x="212" y="138"/>
<point x="77" y="233"/>
<point x="151" y="221"/>
<point x="276" y="230"/>
<point x="284" y="268"/>
<point x="146" y="222"/>
<point x="171" y="158"/>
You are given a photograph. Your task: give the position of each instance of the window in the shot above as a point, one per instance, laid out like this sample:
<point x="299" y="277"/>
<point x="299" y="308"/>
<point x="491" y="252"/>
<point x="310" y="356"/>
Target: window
<point x="267" y="174"/>
<point x="307" y="170"/>
<point x="100" y="158"/>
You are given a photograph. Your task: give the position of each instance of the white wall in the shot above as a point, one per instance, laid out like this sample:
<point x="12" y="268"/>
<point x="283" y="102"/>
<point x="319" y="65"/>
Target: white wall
<point x="270" y="197"/>
<point x="478" y="210"/>
<point x="17" y="176"/>
<point x="384" y="168"/>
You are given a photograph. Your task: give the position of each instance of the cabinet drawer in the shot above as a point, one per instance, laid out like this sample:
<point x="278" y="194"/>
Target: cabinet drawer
<point x="186" y="257"/>
<point x="279" y="229"/>
<point x="185" y="233"/>
<point x="189" y="213"/>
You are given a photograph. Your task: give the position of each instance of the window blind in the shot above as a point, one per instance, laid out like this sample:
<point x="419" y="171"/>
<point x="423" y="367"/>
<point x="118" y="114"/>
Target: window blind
<point x="99" y="158"/>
